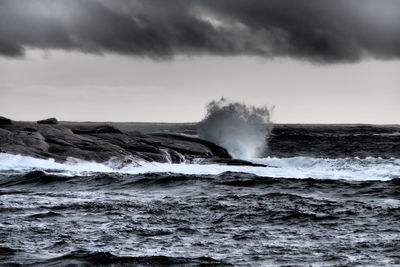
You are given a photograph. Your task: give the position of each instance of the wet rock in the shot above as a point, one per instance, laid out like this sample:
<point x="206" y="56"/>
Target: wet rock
<point x="232" y="162"/>
<point x="216" y="150"/>
<point x="101" y="143"/>
<point x="48" y="121"/>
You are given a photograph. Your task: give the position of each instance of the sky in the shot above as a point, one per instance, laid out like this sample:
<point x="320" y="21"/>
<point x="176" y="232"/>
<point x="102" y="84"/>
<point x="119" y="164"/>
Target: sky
<point x="163" y="61"/>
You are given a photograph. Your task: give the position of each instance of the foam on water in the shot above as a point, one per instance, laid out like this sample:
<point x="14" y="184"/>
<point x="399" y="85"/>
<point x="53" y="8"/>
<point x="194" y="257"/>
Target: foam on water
<point x="296" y="167"/>
<point x="20" y="163"/>
<point x="369" y="168"/>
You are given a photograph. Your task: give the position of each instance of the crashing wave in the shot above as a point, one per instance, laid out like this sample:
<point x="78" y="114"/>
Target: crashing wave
<point x="243" y="130"/>
<point x="295" y="167"/>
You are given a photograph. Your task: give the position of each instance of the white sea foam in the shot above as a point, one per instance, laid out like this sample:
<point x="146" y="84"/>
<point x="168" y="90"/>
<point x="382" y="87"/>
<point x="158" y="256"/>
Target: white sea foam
<point x="296" y="167"/>
<point x="20" y="163"/>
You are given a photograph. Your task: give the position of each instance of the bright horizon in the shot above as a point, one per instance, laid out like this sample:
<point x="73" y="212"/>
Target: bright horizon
<point x="81" y="87"/>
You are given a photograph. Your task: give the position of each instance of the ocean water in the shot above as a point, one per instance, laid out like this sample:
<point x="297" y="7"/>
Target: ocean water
<point x="330" y="196"/>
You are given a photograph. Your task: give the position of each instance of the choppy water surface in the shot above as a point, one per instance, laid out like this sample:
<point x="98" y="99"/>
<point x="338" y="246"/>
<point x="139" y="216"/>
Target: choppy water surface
<point x="302" y="210"/>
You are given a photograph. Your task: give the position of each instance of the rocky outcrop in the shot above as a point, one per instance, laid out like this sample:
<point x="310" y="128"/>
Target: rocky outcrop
<point x="48" y="121"/>
<point x="102" y="142"/>
<point x="4" y="120"/>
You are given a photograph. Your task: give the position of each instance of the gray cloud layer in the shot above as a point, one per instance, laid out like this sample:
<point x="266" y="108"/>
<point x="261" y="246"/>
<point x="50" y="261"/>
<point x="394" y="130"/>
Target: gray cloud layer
<point x="314" y="30"/>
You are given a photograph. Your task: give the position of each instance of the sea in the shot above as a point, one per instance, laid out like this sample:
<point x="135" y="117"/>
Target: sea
<point x="329" y="196"/>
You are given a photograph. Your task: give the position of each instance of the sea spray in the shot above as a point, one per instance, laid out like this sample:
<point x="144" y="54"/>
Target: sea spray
<point x="242" y="129"/>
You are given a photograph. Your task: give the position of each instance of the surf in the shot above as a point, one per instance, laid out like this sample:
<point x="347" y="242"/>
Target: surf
<point x="356" y="169"/>
<point x="242" y="129"/>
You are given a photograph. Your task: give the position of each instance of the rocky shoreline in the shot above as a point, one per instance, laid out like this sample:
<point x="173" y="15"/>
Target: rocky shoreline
<point x="100" y="143"/>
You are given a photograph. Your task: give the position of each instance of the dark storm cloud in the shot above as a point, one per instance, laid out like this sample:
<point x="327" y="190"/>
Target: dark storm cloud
<point x="314" y="30"/>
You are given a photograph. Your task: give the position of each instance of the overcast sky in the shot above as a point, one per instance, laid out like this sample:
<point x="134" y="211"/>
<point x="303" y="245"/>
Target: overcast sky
<point x="315" y="61"/>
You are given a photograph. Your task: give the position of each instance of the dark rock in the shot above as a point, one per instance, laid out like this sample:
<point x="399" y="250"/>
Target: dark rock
<point x="4" y="121"/>
<point x="107" y="129"/>
<point x="96" y="129"/>
<point x="216" y="150"/>
<point x="101" y="143"/>
<point x="48" y="121"/>
<point x="30" y="129"/>
<point x="233" y="162"/>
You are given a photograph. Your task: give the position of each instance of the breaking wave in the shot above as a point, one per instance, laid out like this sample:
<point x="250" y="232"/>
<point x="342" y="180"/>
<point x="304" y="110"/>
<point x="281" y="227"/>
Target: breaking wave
<point x="243" y="130"/>
<point x="296" y="167"/>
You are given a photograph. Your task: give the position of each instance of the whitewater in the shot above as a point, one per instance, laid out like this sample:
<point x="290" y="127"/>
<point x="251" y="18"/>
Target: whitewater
<point x="355" y="169"/>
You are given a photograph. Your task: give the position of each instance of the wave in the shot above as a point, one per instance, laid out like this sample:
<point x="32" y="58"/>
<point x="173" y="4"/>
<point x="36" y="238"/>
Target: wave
<point x="296" y="167"/>
<point x="47" y="184"/>
<point x="369" y="168"/>
<point x="242" y="129"/>
<point x="88" y="258"/>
